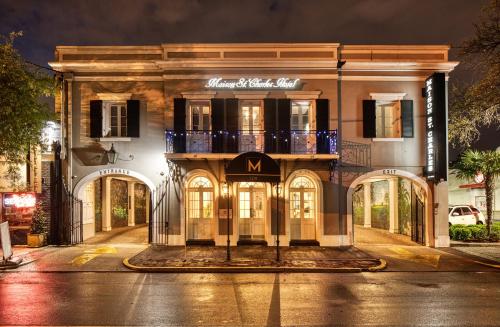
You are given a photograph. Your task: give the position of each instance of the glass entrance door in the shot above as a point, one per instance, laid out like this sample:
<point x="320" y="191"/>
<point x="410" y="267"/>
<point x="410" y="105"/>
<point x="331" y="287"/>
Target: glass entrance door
<point x="251" y="197"/>
<point x="302" y="209"/>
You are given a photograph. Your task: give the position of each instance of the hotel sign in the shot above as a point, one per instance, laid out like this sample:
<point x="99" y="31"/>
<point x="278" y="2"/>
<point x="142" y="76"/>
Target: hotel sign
<point x="253" y="167"/>
<point x="253" y="83"/>
<point x="435" y="128"/>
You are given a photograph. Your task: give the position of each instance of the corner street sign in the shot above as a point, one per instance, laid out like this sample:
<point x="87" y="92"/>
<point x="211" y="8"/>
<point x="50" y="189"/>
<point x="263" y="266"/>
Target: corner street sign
<point x="436" y="141"/>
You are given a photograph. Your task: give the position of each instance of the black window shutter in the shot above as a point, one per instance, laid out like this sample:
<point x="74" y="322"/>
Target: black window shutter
<point x="95" y="118"/>
<point x="133" y="118"/>
<point x="269" y="125"/>
<point x="232" y="114"/>
<point x="180" y="125"/>
<point x="284" y="125"/>
<point x="322" y="120"/>
<point x="406" y="118"/>
<point x="369" y="118"/>
<point x="218" y="118"/>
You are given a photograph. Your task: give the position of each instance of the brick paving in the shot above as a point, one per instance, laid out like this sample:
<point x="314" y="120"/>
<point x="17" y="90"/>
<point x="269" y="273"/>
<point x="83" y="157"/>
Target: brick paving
<point x="253" y="257"/>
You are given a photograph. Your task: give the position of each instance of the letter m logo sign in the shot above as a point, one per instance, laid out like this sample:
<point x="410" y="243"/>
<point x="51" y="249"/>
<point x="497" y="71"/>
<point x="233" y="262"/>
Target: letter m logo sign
<point x="254" y="165"/>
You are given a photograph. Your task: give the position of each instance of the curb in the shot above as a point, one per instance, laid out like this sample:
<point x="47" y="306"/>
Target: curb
<point x="381" y="266"/>
<point x="488" y="264"/>
<point x="215" y="269"/>
<point x="471" y="244"/>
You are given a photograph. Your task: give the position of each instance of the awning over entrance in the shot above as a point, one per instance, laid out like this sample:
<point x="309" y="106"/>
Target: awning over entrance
<point x="253" y="167"/>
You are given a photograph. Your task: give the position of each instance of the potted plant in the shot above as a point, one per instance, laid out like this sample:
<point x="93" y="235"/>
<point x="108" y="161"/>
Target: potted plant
<point x="37" y="237"/>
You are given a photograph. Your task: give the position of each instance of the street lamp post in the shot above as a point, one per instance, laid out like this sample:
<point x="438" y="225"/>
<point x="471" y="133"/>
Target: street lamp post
<point x="278" y="190"/>
<point x="225" y="192"/>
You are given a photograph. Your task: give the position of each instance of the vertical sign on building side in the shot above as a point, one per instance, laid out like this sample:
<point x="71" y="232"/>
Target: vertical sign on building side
<point x="435" y="128"/>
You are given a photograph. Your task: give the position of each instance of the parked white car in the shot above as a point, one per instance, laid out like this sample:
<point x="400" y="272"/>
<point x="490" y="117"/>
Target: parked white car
<point x="465" y="215"/>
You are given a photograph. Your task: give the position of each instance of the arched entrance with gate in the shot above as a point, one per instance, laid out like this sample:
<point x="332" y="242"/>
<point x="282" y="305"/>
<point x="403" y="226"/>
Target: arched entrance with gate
<point x="116" y="206"/>
<point x="389" y="206"/>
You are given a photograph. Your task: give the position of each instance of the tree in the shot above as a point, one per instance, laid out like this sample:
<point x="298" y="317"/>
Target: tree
<point x="487" y="163"/>
<point x="478" y="104"/>
<point x="22" y="114"/>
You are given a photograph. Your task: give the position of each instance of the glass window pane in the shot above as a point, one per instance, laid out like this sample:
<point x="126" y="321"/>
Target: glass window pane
<point x="207" y="205"/>
<point x="206" y="118"/>
<point x="295" y="205"/>
<point x="245" y="118"/>
<point x="194" y="207"/>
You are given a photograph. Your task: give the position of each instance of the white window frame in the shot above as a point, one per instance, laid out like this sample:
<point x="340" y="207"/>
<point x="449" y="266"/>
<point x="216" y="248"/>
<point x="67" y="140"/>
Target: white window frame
<point x="106" y="119"/>
<point x="189" y="114"/>
<point x="251" y="103"/>
<point x="387" y="98"/>
<point x="311" y="115"/>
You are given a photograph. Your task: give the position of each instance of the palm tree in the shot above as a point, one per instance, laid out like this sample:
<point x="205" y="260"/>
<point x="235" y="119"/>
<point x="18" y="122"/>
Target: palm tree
<point x="471" y="163"/>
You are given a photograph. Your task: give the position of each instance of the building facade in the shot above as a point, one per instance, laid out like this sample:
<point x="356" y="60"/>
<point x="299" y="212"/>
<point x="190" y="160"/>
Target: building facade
<point x="170" y="119"/>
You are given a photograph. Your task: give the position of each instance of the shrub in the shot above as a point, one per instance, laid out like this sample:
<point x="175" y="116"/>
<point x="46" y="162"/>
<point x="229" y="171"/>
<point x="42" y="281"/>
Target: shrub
<point x="460" y="233"/>
<point x="478" y="232"/>
<point x="39" y="221"/>
<point x="474" y="233"/>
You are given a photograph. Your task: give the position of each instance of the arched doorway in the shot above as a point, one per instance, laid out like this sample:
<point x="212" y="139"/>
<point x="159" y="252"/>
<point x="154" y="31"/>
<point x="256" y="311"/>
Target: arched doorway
<point x="200" y="209"/>
<point x="389" y="207"/>
<point x="302" y="197"/>
<point x="116" y="206"/>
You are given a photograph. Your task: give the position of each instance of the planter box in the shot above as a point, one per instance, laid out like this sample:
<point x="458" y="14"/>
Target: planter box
<point x="37" y="240"/>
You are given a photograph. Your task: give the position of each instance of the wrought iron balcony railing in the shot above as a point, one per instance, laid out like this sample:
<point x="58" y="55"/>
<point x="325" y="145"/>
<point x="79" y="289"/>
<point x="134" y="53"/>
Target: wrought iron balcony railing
<point x="294" y="141"/>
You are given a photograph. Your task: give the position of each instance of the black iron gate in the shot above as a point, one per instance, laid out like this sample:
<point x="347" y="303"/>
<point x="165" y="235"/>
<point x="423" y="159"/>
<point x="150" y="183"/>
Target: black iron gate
<point x="158" y="220"/>
<point x="66" y="210"/>
<point x="159" y="230"/>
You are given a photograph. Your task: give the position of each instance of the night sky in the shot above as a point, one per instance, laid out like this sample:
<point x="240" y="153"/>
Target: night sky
<point x="98" y="22"/>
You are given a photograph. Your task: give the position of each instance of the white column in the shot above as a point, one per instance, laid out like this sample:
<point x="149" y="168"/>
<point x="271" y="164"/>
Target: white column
<point x="148" y="194"/>
<point x="106" y="204"/>
<point x="440" y="215"/>
<point x="393" y="205"/>
<point x="131" y="203"/>
<point x="367" y="204"/>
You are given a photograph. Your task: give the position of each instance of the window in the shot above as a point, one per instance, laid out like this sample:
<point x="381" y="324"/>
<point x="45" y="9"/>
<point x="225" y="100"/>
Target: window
<point x="114" y="119"/>
<point x="251" y="126"/>
<point x="251" y="116"/>
<point x="198" y="116"/>
<point x="301" y="115"/>
<point x="388" y="119"/>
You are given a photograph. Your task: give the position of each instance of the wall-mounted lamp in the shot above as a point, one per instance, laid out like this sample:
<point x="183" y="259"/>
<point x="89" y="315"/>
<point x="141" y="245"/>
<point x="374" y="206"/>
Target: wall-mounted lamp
<point x="278" y="189"/>
<point x="114" y="156"/>
<point x="225" y="190"/>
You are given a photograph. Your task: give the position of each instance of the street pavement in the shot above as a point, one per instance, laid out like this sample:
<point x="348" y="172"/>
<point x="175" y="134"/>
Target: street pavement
<point x="157" y="299"/>
<point x="88" y="285"/>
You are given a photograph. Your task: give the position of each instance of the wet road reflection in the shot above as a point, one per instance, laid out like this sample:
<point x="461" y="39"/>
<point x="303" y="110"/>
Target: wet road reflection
<point x="400" y="299"/>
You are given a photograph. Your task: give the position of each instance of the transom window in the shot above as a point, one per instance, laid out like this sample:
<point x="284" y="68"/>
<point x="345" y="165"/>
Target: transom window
<point x="251" y="184"/>
<point x="302" y="182"/>
<point x="388" y="119"/>
<point x="114" y="119"/>
<point x="301" y="115"/>
<point x="198" y="116"/>
<point x="200" y="181"/>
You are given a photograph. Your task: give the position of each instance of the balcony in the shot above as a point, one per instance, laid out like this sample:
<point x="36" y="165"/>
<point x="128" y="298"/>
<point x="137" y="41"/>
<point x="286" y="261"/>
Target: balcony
<point x="298" y="144"/>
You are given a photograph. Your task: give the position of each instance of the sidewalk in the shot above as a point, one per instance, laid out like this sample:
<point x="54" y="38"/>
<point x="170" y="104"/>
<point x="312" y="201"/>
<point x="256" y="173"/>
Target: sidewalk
<point x="253" y="259"/>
